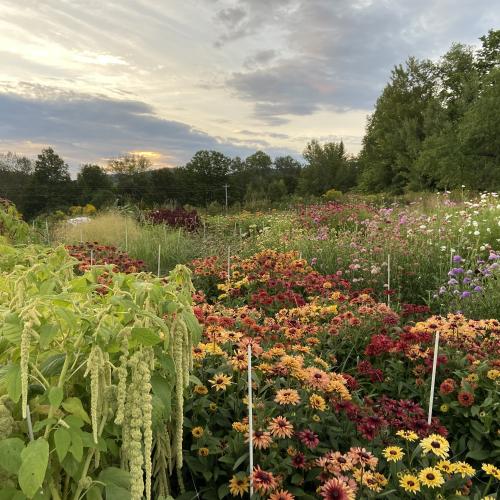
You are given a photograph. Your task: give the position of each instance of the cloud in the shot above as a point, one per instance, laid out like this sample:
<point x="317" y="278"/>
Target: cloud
<point x="86" y="127"/>
<point x="338" y="55"/>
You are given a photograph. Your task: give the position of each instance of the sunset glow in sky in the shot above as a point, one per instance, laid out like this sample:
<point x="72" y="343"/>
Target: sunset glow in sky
<point x="96" y="79"/>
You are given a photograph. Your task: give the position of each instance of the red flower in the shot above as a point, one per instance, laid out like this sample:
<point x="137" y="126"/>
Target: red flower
<point x="447" y="386"/>
<point x="308" y="438"/>
<point x="465" y="398"/>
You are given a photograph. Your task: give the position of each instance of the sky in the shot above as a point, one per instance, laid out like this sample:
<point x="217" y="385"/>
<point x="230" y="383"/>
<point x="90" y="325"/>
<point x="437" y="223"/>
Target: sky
<point x="97" y="79"/>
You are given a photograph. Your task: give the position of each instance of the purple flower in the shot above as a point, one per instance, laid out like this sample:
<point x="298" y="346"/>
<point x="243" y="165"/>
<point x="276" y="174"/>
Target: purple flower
<point x="453" y="281"/>
<point x="467" y="280"/>
<point x="457" y="258"/>
<point x="465" y="294"/>
<point x="493" y="256"/>
<point x="478" y="289"/>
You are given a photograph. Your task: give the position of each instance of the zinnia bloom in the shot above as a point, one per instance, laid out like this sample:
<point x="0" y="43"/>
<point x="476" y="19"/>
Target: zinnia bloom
<point x="436" y="444"/>
<point x="491" y="470"/>
<point x="409" y="483"/>
<point x="197" y="432"/>
<point x="308" y="438"/>
<point x="238" y="485"/>
<point x="281" y="428"/>
<point x="463" y="468"/>
<point x="393" y="453"/>
<point x="287" y="397"/>
<point x="203" y="452"/>
<point x="317" y="402"/>
<point x="263" y="481"/>
<point x="447" y="386"/>
<point x="334" y="489"/>
<point x="362" y="457"/>
<point x="466" y="398"/>
<point x="431" y="477"/>
<point x="220" y="382"/>
<point x="200" y="389"/>
<point x="261" y="439"/>
<point x="281" y="495"/>
<point x="407" y="435"/>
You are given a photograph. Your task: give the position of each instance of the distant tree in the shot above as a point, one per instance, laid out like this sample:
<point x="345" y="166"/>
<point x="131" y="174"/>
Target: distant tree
<point x="288" y="169"/>
<point x="207" y="172"/>
<point x="94" y="185"/>
<point x="327" y="166"/>
<point x="15" y="171"/>
<point x="50" y="185"/>
<point x="130" y="174"/>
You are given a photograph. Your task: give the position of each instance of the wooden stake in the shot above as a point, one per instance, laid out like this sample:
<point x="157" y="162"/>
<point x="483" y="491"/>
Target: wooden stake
<point x="433" y="378"/>
<point x="250" y="417"/>
<point x="159" y="257"/>
<point x="388" y="279"/>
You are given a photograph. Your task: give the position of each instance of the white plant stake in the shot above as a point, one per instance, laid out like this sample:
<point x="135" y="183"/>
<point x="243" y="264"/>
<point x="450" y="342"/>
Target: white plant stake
<point x="126" y="236"/>
<point x="388" y="279"/>
<point x="91" y="256"/>
<point x="433" y="378"/>
<point x="250" y="417"/>
<point x="228" y="263"/>
<point x="159" y="256"/>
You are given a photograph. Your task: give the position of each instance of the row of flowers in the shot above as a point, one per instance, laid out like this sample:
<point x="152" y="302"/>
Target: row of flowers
<point x="341" y="387"/>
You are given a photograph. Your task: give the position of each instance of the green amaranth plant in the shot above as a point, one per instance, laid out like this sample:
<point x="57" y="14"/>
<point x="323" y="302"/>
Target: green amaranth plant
<point x="89" y="372"/>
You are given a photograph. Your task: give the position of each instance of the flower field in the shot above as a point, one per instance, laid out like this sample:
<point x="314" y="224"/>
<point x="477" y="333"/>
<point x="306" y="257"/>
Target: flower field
<point x="338" y="304"/>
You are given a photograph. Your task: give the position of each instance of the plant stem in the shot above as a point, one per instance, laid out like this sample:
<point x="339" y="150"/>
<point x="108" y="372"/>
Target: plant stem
<point x="90" y="454"/>
<point x="60" y="383"/>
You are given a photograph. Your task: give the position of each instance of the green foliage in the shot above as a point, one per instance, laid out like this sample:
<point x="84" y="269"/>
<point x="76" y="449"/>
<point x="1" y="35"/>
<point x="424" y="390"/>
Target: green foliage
<point x="12" y="226"/>
<point x="78" y="352"/>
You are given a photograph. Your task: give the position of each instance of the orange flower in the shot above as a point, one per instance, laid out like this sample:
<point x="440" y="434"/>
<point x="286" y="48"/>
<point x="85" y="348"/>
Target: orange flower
<point x="263" y="481"/>
<point x="465" y="398"/>
<point x="281" y="495"/>
<point x="280" y="427"/>
<point x="261" y="439"/>
<point x="287" y="397"/>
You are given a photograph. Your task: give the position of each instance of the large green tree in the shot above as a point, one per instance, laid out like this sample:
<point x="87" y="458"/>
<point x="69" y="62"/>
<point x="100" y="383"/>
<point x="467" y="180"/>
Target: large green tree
<point x="94" y="185"/>
<point x="50" y="186"/>
<point x="397" y="128"/>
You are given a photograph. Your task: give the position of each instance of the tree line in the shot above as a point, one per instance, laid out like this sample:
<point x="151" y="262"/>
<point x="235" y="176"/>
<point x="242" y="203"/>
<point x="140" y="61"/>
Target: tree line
<point x="435" y="126"/>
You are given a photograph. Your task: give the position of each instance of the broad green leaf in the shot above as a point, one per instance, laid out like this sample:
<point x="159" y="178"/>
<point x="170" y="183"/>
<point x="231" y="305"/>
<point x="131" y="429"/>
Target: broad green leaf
<point x="13" y="382"/>
<point x="56" y="396"/>
<point x="8" y="493"/>
<point x="76" y="448"/>
<point x="35" y="458"/>
<point x="192" y="324"/>
<point x="52" y="365"/>
<point x="116" y="476"/>
<point x="162" y="388"/>
<point x="93" y="493"/>
<point x="62" y="440"/>
<point x="145" y="336"/>
<point x="79" y="285"/>
<point x="47" y="332"/>
<point x="114" y="492"/>
<point x="10" y="454"/>
<point x="74" y="422"/>
<point x="67" y="315"/>
<point x="74" y="406"/>
<point x="11" y="328"/>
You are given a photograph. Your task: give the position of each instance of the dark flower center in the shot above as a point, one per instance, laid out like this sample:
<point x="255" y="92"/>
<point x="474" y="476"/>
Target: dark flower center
<point x="435" y="444"/>
<point x="430" y="476"/>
